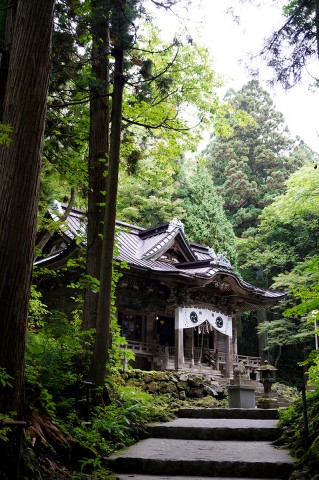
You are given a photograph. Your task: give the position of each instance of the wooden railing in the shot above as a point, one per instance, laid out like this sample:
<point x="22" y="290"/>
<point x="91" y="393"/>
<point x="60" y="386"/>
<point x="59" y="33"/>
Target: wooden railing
<point x="141" y="347"/>
<point x="213" y="357"/>
<point x="252" y="362"/>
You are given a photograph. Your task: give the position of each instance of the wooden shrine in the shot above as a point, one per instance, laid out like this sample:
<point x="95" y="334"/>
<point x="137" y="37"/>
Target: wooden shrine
<point x="177" y="302"/>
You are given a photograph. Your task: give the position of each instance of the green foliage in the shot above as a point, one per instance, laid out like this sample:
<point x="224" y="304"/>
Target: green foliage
<point x="56" y="359"/>
<point x="5" y="431"/>
<point x="5" y="378"/>
<point x="94" y="463"/>
<point x="5" y="134"/>
<point x="289" y="227"/>
<point x="204" y="218"/>
<point x="292" y="419"/>
<point x="250" y="166"/>
<point x="178" y="79"/>
<point x="123" y="421"/>
<point x="37" y="309"/>
<point x="5" y="382"/>
<point x="286" y="245"/>
<point x="148" y="197"/>
<point x="312" y="363"/>
<point x="302" y="282"/>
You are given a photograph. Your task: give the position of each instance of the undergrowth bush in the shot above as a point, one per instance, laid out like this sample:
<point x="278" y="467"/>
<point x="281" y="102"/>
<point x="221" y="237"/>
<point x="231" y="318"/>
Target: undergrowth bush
<point x="294" y="433"/>
<point x="122" y="422"/>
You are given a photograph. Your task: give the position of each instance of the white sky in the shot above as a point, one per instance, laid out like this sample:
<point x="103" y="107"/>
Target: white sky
<point x="230" y="43"/>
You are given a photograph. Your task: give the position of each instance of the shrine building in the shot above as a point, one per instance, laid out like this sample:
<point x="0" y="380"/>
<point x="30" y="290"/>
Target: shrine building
<point x="176" y="303"/>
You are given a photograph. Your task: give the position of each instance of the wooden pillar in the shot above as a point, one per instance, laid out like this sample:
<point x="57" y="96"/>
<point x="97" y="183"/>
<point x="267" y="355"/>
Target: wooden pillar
<point x="229" y="356"/>
<point x="216" y="349"/>
<point x="179" y="345"/>
<point x="192" y="349"/>
<point x="235" y="349"/>
<point x="262" y="337"/>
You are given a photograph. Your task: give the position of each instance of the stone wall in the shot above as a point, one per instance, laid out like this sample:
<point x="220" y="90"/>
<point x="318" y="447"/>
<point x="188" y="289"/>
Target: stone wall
<point x="178" y="385"/>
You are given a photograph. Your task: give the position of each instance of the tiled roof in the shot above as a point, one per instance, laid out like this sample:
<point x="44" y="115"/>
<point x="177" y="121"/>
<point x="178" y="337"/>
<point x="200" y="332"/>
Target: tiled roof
<point x="142" y="249"/>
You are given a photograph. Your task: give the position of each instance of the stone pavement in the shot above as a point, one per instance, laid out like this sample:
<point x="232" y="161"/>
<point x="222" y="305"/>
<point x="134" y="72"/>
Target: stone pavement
<point x="207" y="444"/>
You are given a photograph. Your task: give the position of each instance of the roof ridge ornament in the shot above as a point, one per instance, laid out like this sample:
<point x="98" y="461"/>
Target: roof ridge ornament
<point x="175" y="223"/>
<point x="212" y="252"/>
<point x="222" y="260"/>
<point x="57" y="207"/>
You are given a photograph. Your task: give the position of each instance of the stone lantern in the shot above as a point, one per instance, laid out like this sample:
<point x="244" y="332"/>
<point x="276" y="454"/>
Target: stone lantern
<point x="267" y="378"/>
<point x="241" y="391"/>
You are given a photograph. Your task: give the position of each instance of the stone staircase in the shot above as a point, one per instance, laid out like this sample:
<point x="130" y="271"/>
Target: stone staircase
<point x="207" y="444"/>
<point x="203" y="369"/>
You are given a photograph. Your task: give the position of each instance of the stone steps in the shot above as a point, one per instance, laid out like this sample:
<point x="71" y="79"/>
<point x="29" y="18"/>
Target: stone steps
<point x="233" y="413"/>
<point x="216" y="429"/>
<point x="197" y="370"/>
<point x="207" y="444"/>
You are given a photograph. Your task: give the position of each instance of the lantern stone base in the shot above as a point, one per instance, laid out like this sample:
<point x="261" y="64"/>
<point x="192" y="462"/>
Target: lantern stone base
<point x="241" y="394"/>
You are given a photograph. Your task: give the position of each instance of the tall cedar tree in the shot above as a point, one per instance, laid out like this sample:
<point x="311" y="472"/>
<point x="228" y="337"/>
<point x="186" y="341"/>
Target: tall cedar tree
<point x="250" y="167"/>
<point x="25" y="110"/>
<point x="98" y="152"/>
<point x="205" y="219"/>
<point x="121" y="17"/>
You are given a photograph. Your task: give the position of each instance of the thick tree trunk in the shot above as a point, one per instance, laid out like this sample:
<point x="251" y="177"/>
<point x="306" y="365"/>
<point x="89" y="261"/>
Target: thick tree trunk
<point x="25" y="110"/>
<point x="104" y="310"/>
<point x="9" y="11"/>
<point x="98" y="155"/>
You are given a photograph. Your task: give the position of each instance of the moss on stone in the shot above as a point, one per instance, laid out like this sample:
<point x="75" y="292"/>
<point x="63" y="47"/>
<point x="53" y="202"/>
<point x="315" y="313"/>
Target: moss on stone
<point x="168" y="387"/>
<point x="182" y="385"/>
<point x="153" y="387"/>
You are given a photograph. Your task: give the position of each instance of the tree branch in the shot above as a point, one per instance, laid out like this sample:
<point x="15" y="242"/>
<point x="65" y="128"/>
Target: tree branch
<point x="163" y="124"/>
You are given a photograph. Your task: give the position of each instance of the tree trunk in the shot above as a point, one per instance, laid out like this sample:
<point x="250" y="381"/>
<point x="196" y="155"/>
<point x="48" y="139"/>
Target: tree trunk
<point x="98" y="155"/>
<point x="104" y="309"/>
<point x="25" y="110"/>
<point x="10" y="13"/>
<point x="278" y="355"/>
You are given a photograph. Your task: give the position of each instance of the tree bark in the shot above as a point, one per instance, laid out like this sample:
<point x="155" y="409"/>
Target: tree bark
<point x="25" y="110"/>
<point x="278" y="355"/>
<point x="104" y="308"/>
<point x="5" y="50"/>
<point x="98" y="155"/>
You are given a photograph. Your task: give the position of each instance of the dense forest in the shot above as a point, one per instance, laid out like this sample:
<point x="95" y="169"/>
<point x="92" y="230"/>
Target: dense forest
<point x="98" y="112"/>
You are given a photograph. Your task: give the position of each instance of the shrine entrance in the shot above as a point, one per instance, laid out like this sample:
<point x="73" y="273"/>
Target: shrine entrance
<point x="210" y="329"/>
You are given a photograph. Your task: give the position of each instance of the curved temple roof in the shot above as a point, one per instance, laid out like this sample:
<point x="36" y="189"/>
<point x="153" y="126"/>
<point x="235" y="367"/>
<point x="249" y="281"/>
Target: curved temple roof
<point x="164" y="252"/>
